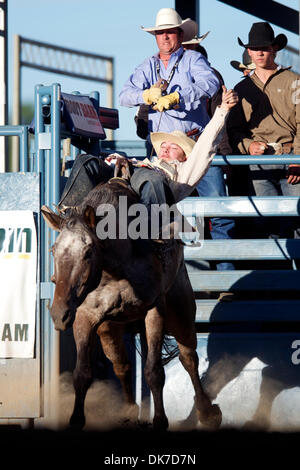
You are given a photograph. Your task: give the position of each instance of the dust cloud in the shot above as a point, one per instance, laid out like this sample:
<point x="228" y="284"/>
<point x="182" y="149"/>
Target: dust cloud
<point x="104" y="406"/>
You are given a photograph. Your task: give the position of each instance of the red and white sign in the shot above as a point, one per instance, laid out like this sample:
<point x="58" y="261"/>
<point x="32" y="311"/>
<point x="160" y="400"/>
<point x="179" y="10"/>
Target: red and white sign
<point x="83" y="116"/>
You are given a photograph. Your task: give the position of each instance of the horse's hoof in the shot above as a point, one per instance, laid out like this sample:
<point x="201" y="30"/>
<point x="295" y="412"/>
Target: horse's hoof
<point x="77" y="423"/>
<point x="160" y="424"/>
<point x="212" y="417"/>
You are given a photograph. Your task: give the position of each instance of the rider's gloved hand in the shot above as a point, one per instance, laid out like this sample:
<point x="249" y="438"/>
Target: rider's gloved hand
<point x="152" y="95"/>
<point x="167" y="101"/>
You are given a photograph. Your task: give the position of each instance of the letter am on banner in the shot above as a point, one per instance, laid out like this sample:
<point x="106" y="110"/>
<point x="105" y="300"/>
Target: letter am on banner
<point x="18" y="284"/>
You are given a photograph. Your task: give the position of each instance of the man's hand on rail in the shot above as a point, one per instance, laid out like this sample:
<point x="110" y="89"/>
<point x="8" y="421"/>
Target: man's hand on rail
<point x="257" y="148"/>
<point x="293" y="174"/>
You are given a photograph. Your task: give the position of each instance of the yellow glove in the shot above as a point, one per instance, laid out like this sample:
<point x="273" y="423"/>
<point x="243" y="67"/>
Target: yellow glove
<point x="152" y="95"/>
<point x="167" y="101"/>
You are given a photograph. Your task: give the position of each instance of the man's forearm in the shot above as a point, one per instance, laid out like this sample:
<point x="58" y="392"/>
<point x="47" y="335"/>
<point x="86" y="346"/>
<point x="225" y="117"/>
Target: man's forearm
<point x="131" y="96"/>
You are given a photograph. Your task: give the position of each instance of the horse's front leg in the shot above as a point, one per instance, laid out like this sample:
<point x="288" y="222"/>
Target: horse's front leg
<point x="84" y="336"/>
<point x="154" y="371"/>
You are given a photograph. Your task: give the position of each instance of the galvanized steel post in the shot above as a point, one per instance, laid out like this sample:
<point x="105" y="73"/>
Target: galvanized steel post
<point x="47" y="145"/>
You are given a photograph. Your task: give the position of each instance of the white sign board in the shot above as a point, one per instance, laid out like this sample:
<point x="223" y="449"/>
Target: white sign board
<point x="18" y="284"/>
<point x="83" y="117"/>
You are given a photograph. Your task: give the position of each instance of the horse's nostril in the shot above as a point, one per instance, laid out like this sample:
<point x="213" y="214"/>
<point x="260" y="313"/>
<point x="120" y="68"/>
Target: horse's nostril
<point x="66" y="315"/>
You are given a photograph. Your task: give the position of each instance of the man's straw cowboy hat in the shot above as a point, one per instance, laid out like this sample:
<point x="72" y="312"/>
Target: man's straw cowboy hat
<point x="245" y="64"/>
<point x="177" y="137"/>
<point x="262" y="35"/>
<point x="190" y="34"/>
<point x="168" y="18"/>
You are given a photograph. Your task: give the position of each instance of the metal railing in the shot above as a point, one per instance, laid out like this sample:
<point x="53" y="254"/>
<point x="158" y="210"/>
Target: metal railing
<point x="22" y="133"/>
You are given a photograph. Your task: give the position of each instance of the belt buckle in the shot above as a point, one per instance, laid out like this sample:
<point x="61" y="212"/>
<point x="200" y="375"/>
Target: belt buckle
<point x="194" y="134"/>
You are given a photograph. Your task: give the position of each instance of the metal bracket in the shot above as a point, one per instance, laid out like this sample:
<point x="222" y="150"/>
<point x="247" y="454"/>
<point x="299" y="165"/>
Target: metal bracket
<point x="46" y="290"/>
<point x="44" y="141"/>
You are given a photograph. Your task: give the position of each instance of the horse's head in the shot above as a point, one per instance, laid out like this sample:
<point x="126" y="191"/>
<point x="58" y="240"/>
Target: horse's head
<point x="77" y="262"/>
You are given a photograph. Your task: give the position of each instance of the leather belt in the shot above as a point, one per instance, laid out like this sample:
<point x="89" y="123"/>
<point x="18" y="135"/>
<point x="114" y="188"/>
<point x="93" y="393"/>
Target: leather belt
<point x="194" y="133"/>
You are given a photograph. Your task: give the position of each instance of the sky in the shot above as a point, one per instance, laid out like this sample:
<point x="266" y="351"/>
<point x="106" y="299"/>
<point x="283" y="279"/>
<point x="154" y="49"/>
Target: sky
<point x="112" y="28"/>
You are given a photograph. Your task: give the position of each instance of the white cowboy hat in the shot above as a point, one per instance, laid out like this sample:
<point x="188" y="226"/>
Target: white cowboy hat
<point x="190" y="34"/>
<point x="196" y="39"/>
<point x="168" y="18"/>
<point x="245" y="64"/>
<point x="177" y="137"/>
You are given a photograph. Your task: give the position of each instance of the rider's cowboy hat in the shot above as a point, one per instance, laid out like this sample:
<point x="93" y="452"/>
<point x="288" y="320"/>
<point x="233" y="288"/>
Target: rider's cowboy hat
<point x="168" y="18"/>
<point x="177" y="137"/>
<point x="190" y="34"/>
<point x="262" y="35"/>
<point x="245" y="64"/>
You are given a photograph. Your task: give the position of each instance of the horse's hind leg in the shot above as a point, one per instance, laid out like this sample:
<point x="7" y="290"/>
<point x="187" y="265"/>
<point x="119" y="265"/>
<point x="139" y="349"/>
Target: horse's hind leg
<point x="154" y="371"/>
<point x="209" y="415"/>
<point x="84" y="336"/>
<point x="111" y="337"/>
<point x="180" y="321"/>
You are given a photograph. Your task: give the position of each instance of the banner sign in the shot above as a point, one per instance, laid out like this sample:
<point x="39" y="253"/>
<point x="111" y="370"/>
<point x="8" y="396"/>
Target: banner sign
<point x="18" y="283"/>
<point x="81" y="116"/>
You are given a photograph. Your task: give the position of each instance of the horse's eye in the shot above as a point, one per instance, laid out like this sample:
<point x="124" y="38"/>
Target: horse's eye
<point x="71" y="223"/>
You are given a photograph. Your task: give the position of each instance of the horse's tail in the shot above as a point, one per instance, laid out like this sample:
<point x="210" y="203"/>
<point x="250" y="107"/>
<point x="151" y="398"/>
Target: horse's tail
<point x="170" y="349"/>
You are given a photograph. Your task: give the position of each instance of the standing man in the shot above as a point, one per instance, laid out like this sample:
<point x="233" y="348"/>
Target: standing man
<point x="188" y="78"/>
<point x="239" y="174"/>
<point x="267" y="119"/>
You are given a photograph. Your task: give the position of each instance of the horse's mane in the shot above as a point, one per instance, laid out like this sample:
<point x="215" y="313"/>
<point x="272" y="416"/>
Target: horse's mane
<point x="109" y="193"/>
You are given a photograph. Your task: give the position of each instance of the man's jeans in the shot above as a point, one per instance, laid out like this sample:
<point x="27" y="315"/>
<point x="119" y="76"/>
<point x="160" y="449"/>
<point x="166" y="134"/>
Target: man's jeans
<point x="270" y="180"/>
<point x="152" y="186"/>
<point x="213" y="185"/>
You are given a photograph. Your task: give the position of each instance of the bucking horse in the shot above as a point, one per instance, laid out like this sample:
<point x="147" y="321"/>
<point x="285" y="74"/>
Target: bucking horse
<point x="103" y="284"/>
